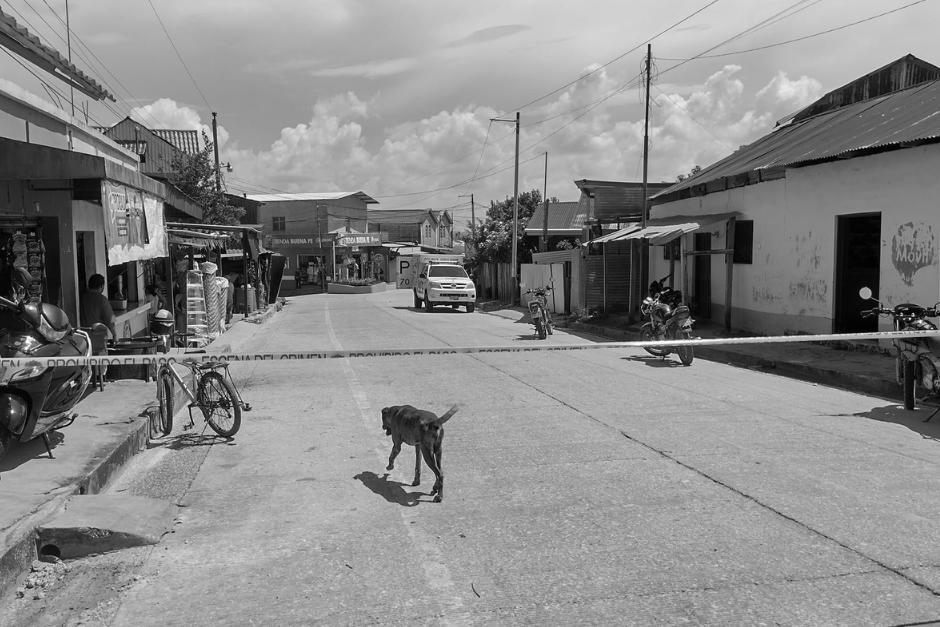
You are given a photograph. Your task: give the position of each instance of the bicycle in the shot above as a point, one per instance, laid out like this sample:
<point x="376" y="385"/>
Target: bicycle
<point x="216" y="396"/>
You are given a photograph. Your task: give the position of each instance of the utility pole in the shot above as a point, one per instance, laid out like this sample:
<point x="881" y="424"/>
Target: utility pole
<point x="215" y="144"/>
<point x="68" y="44"/>
<point x="644" y="243"/>
<point x="544" y="246"/>
<point x="514" y="297"/>
<point x="473" y="214"/>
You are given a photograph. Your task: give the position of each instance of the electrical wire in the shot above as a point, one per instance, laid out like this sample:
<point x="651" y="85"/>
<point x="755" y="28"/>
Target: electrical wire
<point x="178" y="55"/>
<point x="803" y="38"/>
<point x="618" y="57"/>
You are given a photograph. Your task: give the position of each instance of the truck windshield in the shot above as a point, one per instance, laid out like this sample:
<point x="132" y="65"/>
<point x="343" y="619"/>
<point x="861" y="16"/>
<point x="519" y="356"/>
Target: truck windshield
<point x="455" y="271"/>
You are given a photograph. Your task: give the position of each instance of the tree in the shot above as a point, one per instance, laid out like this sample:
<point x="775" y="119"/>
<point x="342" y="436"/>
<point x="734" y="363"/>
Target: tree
<point x="492" y="239"/>
<point x="695" y="170"/>
<point x="194" y="175"/>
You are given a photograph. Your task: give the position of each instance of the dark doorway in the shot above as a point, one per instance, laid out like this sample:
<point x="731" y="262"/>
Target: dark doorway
<point x="702" y="290"/>
<point x="858" y="251"/>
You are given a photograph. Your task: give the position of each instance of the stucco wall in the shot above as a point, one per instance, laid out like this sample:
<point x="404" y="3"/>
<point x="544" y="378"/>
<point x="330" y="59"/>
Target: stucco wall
<point x="790" y="284"/>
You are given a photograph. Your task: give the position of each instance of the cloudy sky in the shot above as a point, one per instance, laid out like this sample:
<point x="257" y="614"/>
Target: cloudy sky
<point x="395" y="97"/>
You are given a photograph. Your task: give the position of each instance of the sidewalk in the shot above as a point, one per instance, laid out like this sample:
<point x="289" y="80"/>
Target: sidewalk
<point x="112" y="426"/>
<point x="858" y="366"/>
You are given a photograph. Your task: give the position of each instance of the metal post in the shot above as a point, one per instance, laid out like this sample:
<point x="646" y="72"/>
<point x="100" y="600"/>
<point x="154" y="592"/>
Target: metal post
<point x="644" y="243"/>
<point x="215" y="144"/>
<point x="544" y="245"/>
<point x="515" y="222"/>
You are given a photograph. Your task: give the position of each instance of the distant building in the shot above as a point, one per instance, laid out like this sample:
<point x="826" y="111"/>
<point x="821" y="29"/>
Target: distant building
<point x="427" y="228"/>
<point x="327" y="230"/>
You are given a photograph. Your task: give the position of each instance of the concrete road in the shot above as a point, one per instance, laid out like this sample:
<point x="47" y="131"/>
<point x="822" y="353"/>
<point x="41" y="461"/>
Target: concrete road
<point x="583" y="487"/>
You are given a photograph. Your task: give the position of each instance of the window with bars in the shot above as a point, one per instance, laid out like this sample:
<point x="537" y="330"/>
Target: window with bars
<point x="743" y="241"/>
<point x="278" y="223"/>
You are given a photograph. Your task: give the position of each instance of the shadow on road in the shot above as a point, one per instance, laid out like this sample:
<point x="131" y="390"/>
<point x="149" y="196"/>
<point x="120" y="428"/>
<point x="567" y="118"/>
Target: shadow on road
<point x="189" y="440"/>
<point x="655" y="362"/>
<point x="21" y="452"/>
<point x="913" y="420"/>
<point x="391" y="491"/>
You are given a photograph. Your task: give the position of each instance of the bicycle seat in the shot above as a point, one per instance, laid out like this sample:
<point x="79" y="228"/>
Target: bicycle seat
<point x="212" y="365"/>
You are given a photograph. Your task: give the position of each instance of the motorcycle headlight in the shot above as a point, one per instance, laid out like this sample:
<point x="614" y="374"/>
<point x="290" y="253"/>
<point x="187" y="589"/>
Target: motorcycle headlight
<point x="13" y="411"/>
<point x="30" y="372"/>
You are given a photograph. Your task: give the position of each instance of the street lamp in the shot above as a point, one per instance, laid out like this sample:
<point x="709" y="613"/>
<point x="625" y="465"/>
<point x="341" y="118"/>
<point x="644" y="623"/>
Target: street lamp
<point x="515" y="209"/>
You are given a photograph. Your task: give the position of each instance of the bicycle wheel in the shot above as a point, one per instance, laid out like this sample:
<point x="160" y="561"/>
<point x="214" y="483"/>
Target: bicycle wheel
<point x="218" y="402"/>
<point x="164" y="419"/>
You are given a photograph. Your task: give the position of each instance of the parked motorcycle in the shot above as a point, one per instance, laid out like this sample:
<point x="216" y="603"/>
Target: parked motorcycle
<point x="35" y="400"/>
<point x="668" y="319"/>
<point x="539" y="313"/>
<point x="917" y="362"/>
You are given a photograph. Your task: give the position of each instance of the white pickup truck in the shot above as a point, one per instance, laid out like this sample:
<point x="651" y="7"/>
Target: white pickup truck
<point x="444" y="284"/>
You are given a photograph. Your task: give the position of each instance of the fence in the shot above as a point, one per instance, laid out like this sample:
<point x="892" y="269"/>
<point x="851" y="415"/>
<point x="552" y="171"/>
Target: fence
<point x="494" y="282"/>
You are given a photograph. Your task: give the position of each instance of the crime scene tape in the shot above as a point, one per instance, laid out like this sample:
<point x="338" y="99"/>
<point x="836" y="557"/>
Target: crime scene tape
<point x="180" y="358"/>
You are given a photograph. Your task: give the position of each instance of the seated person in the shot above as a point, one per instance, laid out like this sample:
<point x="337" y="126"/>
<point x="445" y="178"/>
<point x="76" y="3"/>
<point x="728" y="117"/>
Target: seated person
<point x="94" y="306"/>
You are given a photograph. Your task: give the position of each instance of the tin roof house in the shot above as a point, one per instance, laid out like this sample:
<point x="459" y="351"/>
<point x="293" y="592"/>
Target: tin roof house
<point x="838" y="196"/>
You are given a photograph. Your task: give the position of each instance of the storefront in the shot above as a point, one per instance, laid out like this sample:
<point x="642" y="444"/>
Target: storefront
<point x="359" y="256"/>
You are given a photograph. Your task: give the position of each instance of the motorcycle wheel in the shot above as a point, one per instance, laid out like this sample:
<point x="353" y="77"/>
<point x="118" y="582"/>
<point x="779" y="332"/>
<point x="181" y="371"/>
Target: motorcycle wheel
<point x="540" y="329"/>
<point x="5" y="438"/>
<point x="550" y="326"/>
<point x="427" y="304"/>
<point x="909" y="384"/>
<point x="685" y="352"/>
<point x="646" y="334"/>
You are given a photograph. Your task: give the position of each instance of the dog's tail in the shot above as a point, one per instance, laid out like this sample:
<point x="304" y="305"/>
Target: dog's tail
<point x="446" y="416"/>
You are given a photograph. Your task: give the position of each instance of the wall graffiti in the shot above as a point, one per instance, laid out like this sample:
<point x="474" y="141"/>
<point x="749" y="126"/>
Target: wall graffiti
<point x="913" y="247"/>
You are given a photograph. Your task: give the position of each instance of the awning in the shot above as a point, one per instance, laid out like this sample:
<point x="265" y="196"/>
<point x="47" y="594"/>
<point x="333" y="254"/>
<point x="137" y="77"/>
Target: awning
<point x="663" y="230"/>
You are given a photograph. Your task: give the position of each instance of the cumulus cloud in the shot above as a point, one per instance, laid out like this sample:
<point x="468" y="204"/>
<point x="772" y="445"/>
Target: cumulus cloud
<point x="166" y="113"/>
<point x="591" y="129"/>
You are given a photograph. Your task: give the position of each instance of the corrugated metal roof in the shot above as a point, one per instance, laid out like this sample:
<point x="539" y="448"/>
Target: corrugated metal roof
<point x="186" y="141"/>
<point x="898" y="120"/>
<point x="562" y="217"/>
<point x="617" y="201"/>
<point x="405" y="216"/>
<point x="311" y="196"/>
<point x="19" y="40"/>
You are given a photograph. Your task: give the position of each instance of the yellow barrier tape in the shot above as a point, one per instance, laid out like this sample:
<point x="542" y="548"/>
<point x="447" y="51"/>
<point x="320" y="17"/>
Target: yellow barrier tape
<point x="159" y="360"/>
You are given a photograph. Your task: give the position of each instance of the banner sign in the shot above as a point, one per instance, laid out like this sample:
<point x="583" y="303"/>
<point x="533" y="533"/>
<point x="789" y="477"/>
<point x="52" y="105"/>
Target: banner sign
<point x="223" y="358"/>
<point x="359" y="239"/>
<point x="133" y="224"/>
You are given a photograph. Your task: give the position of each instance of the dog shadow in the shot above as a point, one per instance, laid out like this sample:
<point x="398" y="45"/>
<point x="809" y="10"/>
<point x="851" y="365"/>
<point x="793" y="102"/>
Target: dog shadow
<point x="391" y="491"/>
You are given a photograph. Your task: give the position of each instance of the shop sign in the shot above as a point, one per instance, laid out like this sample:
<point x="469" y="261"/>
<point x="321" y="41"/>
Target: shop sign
<point x="133" y="224"/>
<point x="359" y="239"/>
<point x="294" y="241"/>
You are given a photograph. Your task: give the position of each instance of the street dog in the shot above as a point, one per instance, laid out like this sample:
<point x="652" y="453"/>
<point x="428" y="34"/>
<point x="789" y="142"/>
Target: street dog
<point x="423" y="430"/>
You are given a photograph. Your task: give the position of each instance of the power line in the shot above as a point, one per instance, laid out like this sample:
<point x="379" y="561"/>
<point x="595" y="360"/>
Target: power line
<point x="617" y="58"/>
<point x="178" y="55"/>
<point x="803" y="38"/>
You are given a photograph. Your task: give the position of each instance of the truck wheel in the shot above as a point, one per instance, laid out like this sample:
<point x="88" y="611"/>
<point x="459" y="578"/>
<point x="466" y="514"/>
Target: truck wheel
<point x="427" y="303"/>
<point x="471" y="307"/>
<point x="417" y="300"/>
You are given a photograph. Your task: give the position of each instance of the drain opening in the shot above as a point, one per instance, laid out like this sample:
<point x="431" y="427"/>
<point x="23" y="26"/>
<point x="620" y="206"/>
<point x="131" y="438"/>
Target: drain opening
<point x="50" y="550"/>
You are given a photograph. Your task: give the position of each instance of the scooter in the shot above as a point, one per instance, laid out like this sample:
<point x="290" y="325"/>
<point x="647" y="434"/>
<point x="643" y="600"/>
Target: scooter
<point x="36" y="399"/>
<point x="538" y="311"/>
<point x="917" y="362"/>
<point x="668" y="318"/>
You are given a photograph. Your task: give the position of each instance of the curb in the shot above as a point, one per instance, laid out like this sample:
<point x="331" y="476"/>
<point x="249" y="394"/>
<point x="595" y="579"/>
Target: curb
<point x="22" y="549"/>
<point x="876" y="386"/>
